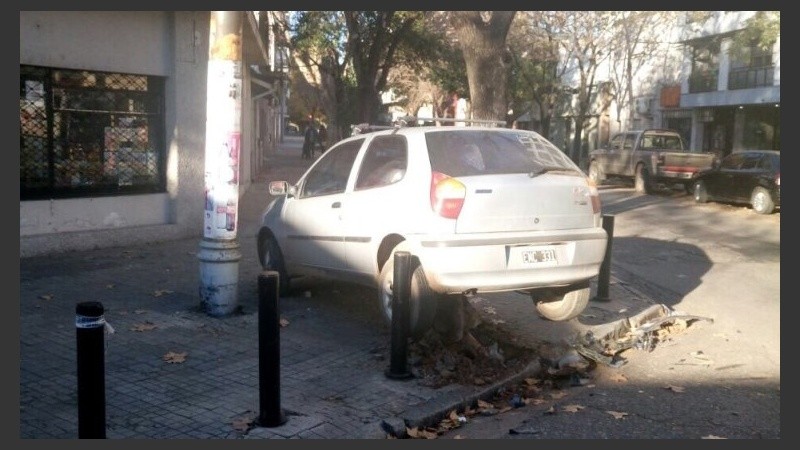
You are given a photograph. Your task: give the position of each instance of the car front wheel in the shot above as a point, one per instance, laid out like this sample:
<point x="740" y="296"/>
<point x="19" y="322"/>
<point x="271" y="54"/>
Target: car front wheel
<point x="762" y="201"/>
<point x="422" y="300"/>
<point x="559" y="306"/>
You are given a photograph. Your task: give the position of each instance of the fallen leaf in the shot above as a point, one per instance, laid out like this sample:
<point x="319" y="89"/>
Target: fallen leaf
<point x="283" y="322"/>
<point x="160" y="292"/>
<point x="139" y="311"/>
<point x="677" y="389"/>
<point x="533" y="401"/>
<point x="413" y="432"/>
<point x="172" y="357"/>
<point x="46" y="296"/>
<point x="453" y="416"/>
<point x="617" y="414"/>
<point x="711" y="436"/>
<point x="551" y="411"/>
<point x="531" y="381"/>
<point x="242" y="423"/>
<point x="489" y="310"/>
<point x="109" y="286"/>
<point x="497" y="321"/>
<point x="122" y="312"/>
<point x="619" y="378"/>
<point x="572" y="408"/>
<point x="485" y="405"/>
<point x="147" y="326"/>
<point x="557" y="395"/>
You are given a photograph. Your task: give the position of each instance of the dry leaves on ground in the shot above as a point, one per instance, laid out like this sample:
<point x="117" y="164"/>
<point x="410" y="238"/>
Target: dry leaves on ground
<point x="572" y="408"/>
<point x="283" y="322"/>
<point x="47" y="296"/>
<point x="617" y="414"/>
<point x="146" y="326"/>
<point x="175" y="358"/>
<point x="425" y="433"/>
<point x="243" y="423"/>
<point x="676" y="389"/>
<point x="160" y="292"/>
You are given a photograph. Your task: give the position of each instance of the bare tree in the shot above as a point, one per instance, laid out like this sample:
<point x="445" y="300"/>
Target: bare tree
<point x="640" y="40"/>
<point x="482" y="38"/>
<point x="539" y="69"/>
<point x="587" y="39"/>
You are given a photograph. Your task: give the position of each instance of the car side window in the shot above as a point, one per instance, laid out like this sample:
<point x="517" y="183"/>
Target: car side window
<point x="732" y="161"/>
<point x="384" y="163"/>
<point x="628" y="144"/>
<point x="751" y="161"/>
<point x="616" y="142"/>
<point x="329" y="175"/>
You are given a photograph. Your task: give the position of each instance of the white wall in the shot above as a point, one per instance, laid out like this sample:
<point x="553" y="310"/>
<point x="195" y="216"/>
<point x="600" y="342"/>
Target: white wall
<point x="172" y="45"/>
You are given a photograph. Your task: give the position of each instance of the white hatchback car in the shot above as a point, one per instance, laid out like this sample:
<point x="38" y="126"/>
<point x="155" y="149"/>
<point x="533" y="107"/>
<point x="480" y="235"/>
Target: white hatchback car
<point x="480" y="209"/>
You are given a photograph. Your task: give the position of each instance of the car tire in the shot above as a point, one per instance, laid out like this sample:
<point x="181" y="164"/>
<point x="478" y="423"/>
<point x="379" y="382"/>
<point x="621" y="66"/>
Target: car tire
<point x="271" y="258"/>
<point x="642" y="183"/>
<point x="595" y="174"/>
<point x="761" y="201"/>
<point x="422" y="300"/>
<point x="560" y="306"/>
<point x="700" y="193"/>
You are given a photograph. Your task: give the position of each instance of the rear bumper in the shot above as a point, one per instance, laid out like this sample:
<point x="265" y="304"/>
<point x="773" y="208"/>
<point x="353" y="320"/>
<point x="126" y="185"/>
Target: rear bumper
<point x="491" y="262"/>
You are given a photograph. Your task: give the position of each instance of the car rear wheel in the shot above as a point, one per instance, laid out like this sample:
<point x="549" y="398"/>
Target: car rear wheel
<point x="422" y="300"/>
<point x="642" y="182"/>
<point x="761" y="201"/>
<point x="272" y="259"/>
<point x="700" y="193"/>
<point x="559" y="306"/>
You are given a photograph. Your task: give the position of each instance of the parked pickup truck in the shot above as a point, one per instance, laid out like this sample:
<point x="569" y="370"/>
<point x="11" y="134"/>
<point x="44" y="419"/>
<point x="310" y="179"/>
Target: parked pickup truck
<point x="649" y="158"/>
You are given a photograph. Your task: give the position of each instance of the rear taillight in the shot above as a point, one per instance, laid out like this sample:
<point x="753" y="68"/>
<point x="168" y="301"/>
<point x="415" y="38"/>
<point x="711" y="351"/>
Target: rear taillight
<point x="594" y="196"/>
<point x="447" y="195"/>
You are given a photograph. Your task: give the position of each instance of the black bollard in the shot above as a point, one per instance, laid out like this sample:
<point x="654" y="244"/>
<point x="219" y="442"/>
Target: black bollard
<point x="605" y="268"/>
<point x="269" y="350"/>
<point x="401" y="289"/>
<point x="90" y="326"/>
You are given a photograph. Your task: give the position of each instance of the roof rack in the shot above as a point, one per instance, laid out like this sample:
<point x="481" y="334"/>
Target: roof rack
<point x="412" y="121"/>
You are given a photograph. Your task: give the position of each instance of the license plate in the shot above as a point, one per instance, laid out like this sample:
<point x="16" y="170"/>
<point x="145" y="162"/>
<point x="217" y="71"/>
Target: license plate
<point x="539" y="256"/>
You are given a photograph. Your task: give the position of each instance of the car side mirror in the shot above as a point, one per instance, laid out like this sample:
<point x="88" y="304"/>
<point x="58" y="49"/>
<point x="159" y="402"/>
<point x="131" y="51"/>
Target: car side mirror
<point x="278" y="188"/>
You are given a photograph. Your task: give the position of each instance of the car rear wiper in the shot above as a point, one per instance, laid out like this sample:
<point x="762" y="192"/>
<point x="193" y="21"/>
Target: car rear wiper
<point x="546" y="169"/>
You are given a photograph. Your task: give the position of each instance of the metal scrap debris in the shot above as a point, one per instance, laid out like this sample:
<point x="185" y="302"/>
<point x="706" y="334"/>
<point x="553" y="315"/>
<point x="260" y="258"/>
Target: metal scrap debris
<point x="641" y="331"/>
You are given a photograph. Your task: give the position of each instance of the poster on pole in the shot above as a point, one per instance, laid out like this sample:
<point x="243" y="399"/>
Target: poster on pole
<point x="223" y="147"/>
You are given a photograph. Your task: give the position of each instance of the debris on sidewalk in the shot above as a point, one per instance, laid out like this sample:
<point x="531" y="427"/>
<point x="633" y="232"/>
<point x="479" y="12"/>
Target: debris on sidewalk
<point x="641" y="331"/>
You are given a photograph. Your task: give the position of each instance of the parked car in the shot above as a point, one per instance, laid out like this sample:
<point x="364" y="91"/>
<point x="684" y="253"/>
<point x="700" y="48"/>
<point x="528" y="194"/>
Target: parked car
<point x="745" y="177"/>
<point x="480" y="209"/>
<point x="648" y="158"/>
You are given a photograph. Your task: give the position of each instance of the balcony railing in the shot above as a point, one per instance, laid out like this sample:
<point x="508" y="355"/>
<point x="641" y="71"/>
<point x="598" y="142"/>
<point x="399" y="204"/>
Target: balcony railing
<point x="751" y="77"/>
<point x="704" y="81"/>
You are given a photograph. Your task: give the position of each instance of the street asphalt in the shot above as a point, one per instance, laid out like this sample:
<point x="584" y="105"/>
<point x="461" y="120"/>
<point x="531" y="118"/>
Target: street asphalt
<point x="174" y="372"/>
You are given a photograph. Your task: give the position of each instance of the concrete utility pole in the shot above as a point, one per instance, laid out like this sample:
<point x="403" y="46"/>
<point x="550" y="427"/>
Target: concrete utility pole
<point x="219" y="253"/>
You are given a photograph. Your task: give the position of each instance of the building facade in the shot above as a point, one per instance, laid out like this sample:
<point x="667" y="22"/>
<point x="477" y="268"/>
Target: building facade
<point x="113" y="124"/>
<point x="733" y="97"/>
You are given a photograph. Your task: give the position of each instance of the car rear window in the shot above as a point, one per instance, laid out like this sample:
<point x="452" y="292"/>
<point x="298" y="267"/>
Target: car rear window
<point x="463" y="152"/>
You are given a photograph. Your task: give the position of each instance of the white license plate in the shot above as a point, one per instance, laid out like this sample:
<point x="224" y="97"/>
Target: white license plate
<point x="545" y="255"/>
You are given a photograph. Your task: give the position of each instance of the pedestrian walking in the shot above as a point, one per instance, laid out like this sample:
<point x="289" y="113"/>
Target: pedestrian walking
<point x="309" y="139"/>
<point x="322" y="140"/>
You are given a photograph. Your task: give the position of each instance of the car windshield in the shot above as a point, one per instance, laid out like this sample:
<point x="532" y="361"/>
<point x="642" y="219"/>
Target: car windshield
<point x="478" y="152"/>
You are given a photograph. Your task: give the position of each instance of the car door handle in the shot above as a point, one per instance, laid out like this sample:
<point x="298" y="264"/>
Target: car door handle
<point x="336" y="205"/>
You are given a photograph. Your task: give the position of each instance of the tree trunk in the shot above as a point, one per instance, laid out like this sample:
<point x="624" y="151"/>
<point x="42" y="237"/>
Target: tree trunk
<point x="483" y="46"/>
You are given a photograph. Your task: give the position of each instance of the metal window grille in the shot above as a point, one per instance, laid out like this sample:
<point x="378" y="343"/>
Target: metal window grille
<point x="87" y="133"/>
